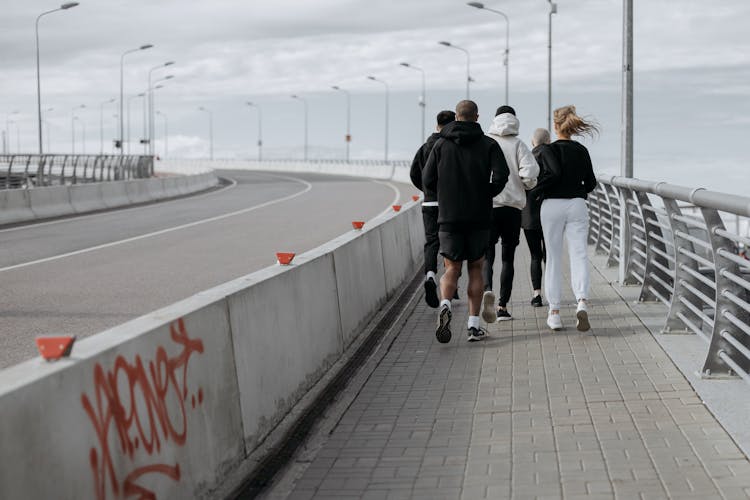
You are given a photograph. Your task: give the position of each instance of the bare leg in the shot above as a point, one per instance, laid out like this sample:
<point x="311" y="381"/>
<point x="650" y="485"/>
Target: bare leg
<point x="476" y="286"/>
<point x="449" y="279"/>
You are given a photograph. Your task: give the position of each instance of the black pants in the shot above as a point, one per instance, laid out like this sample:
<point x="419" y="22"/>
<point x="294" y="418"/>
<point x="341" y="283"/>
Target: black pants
<point x="431" y="241"/>
<point x="535" y="240"/>
<point x="506" y="227"/>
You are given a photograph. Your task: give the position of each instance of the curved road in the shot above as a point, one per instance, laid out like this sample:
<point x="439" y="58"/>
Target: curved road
<point x="84" y="274"/>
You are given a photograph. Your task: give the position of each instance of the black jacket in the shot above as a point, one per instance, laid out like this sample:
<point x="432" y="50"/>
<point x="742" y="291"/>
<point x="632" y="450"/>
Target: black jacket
<point x="566" y="171"/>
<point x="465" y="170"/>
<point x="530" y="215"/>
<point x="420" y="160"/>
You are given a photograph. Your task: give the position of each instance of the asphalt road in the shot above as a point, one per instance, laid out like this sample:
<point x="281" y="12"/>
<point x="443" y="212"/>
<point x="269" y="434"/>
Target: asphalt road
<point x="84" y="274"/>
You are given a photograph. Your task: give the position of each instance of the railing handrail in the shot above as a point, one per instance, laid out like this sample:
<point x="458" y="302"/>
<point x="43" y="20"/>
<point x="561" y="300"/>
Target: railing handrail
<point x="701" y="197"/>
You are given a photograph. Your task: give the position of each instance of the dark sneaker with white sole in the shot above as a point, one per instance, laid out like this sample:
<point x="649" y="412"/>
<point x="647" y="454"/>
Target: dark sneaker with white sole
<point x="443" y="332"/>
<point x="475" y="334"/>
<point x="536" y="301"/>
<point x="503" y="315"/>
<point x="430" y="293"/>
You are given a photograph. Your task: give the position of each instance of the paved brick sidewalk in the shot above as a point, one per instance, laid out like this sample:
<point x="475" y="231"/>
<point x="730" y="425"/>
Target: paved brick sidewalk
<point x="528" y="414"/>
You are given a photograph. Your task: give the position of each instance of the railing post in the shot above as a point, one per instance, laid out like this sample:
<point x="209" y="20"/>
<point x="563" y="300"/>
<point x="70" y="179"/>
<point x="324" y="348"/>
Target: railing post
<point x="611" y="194"/>
<point x="626" y="243"/>
<point x="654" y="261"/>
<point x="678" y="310"/>
<point x="723" y="327"/>
<point x="599" y="243"/>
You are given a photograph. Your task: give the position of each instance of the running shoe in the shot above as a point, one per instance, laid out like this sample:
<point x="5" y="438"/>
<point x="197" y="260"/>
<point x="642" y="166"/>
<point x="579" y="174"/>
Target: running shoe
<point x="476" y="334"/>
<point x="443" y="332"/>
<point x="503" y="315"/>
<point x="430" y="292"/>
<point x="582" y="317"/>
<point x="554" y="322"/>
<point x="488" y="306"/>
<point x="536" y="301"/>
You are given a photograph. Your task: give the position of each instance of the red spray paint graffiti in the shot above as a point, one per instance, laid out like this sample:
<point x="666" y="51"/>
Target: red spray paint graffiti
<point x="145" y="407"/>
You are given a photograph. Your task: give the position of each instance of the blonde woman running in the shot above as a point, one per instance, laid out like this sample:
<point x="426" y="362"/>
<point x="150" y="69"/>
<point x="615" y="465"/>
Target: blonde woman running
<point x="567" y="177"/>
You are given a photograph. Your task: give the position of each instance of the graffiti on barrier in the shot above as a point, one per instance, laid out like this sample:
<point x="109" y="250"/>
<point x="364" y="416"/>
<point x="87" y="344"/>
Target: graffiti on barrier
<point x="144" y="405"/>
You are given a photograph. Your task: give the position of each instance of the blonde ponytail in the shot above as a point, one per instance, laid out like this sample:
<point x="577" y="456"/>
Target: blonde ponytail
<point x="568" y="123"/>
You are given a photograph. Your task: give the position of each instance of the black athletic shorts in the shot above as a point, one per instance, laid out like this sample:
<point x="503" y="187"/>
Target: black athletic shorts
<point x="466" y="245"/>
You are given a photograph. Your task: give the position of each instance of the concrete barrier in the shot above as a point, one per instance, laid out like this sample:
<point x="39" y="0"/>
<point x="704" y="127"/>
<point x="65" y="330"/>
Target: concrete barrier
<point x="137" y="191"/>
<point x="15" y="206"/>
<point x="170" y="404"/>
<point x="114" y="195"/>
<point x="26" y="205"/>
<point x="87" y="197"/>
<point x="53" y="201"/>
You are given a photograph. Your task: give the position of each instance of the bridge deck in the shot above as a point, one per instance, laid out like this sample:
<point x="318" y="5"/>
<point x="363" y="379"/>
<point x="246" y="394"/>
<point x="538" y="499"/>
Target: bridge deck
<point x="527" y="414"/>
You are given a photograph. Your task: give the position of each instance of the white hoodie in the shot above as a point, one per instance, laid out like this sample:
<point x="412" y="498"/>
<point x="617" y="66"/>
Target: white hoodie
<point x="523" y="167"/>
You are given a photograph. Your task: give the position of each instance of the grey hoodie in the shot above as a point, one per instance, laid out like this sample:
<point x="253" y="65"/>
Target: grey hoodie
<point x="524" y="169"/>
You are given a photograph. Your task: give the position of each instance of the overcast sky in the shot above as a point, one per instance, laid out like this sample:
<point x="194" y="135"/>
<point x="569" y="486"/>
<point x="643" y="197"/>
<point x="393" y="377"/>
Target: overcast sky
<point x="692" y="73"/>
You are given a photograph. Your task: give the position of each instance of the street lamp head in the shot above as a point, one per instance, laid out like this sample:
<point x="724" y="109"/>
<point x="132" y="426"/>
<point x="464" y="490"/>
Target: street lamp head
<point x="168" y="77"/>
<point x="159" y="87"/>
<point x="168" y="63"/>
<point x="295" y="96"/>
<point x="405" y="65"/>
<point x="68" y="5"/>
<point x="201" y="108"/>
<point x="372" y="78"/>
<point x="144" y="47"/>
<point x="478" y="5"/>
<point x="336" y="87"/>
<point x="447" y="44"/>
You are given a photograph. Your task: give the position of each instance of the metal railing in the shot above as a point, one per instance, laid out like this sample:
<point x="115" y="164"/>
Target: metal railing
<point x="24" y="171"/>
<point x="325" y="161"/>
<point x="673" y="242"/>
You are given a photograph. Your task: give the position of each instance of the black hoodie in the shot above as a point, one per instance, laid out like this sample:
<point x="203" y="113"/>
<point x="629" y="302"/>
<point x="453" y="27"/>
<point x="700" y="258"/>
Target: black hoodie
<point x="420" y="160"/>
<point x="566" y="171"/>
<point x="465" y="170"/>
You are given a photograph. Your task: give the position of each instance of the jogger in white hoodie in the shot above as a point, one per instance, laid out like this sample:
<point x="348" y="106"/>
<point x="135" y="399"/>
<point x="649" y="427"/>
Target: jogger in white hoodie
<point x="506" y="210"/>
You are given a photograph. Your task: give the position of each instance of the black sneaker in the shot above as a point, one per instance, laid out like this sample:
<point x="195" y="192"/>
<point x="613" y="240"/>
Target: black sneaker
<point x="475" y="334"/>
<point x="443" y="332"/>
<point x="430" y="293"/>
<point x="503" y="315"/>
<point x="536" y="301"/>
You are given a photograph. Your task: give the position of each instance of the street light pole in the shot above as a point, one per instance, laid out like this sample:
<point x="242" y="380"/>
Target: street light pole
<point x="260" y="128"/>
<point x="166" y="132"/>
<point x="348" y="137"/>
<point x="122" y="144"/>
<point x="46" y="124"/>
<point x="122" y="88"/>
<point x="552" y="10"/>
<point x="387" y="98"/>
<point x="8" y="121"/>
<point x="73" y="125"/>
<point x="468" y="63"/>
<point x="210" y="131"/>
<point x="304" y="101"/>
<point x="101" y="124"/>
<point x="506" y="61"/>
<point x="422" y="98"/>
<point x="64" y="6"/>
<point x="151" y="104"/>
<point x="626" y="169"/>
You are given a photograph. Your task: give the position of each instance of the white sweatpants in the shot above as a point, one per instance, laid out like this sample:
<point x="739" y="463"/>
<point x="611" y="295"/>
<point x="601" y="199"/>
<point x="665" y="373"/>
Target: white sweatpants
<point x="571" y="217"/>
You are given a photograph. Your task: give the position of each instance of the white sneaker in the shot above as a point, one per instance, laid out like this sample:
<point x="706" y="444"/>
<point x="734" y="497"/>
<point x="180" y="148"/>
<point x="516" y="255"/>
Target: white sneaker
<point x="554" y="322"/>
<point x="488" y="307"/>
<point x="582" y="317"/>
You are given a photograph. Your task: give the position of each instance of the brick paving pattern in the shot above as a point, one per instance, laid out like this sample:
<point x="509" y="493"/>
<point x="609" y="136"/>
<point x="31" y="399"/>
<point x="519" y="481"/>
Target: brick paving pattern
<point x="527" y="414"/>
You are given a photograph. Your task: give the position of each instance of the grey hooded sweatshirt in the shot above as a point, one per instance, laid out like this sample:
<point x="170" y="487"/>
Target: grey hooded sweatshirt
<point x="523" y="167"/>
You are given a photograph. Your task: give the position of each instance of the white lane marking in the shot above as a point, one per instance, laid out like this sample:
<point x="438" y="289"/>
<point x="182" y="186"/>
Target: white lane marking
<point x="307" y="185"/>
<point x="120" y="209"/>
<point x="395" y="198"/>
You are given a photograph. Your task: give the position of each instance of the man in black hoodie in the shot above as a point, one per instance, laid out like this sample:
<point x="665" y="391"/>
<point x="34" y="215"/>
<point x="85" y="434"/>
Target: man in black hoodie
<point x="464" y="171"/>
<point x="429" y="211"/>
